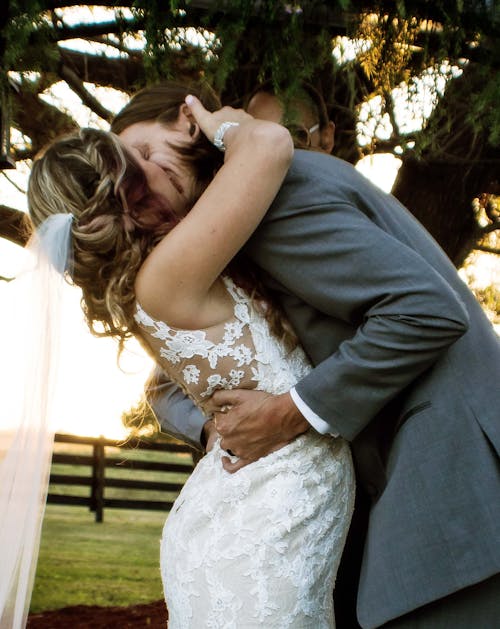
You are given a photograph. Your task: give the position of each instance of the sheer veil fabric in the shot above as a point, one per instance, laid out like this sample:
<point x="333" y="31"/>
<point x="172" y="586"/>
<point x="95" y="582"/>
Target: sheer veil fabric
<point x="30" y="327"/>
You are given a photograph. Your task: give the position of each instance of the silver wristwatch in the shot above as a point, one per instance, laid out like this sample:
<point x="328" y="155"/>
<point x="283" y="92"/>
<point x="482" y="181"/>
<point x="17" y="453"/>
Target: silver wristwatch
<point x="219" y="134"/>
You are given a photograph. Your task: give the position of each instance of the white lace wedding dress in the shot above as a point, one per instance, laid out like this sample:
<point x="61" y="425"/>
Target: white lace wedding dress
<point x="261" y="547"/>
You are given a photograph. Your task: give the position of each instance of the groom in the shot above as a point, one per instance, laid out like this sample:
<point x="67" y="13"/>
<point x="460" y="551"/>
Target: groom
<point x="407" y="369"/>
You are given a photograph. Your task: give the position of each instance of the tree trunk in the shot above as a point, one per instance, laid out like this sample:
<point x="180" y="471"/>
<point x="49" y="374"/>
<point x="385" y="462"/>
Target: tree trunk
<point x="439" y="185"/>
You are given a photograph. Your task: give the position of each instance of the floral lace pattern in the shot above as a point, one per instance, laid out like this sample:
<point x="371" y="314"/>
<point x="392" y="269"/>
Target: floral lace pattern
<point x="240" y="353"/>
<point x="259" y="548"/>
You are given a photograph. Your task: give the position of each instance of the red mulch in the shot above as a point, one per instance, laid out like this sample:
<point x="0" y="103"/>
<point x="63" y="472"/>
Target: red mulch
<point x="150" y="616"/>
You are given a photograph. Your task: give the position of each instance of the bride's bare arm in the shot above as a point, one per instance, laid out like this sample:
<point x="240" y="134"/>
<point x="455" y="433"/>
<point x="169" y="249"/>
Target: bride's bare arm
<point x="192" y="256"/>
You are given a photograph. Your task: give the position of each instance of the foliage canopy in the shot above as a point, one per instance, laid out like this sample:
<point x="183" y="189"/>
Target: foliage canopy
<point x="391" y="61"/>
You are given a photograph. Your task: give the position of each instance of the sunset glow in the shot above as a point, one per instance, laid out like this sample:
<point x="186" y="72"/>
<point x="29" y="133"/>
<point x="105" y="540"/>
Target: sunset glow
<point x="92" y="392"/>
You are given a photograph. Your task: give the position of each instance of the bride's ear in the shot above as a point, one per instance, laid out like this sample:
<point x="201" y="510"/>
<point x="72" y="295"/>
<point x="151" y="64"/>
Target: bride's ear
<point x="186" y="118"/>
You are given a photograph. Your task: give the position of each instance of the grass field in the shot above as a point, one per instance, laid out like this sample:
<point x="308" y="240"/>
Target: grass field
<point x="115" y="562"/>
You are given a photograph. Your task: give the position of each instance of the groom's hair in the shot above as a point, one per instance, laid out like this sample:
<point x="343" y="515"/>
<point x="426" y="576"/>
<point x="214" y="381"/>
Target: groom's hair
<point x="305" y="93"/>
<point x="161" y="103"/>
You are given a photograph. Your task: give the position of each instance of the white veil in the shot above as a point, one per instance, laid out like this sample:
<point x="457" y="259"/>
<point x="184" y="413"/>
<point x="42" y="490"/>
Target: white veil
<point x="30" y="337"/>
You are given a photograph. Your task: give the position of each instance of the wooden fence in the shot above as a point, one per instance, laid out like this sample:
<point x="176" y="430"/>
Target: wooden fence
<point x="98" y="461"/>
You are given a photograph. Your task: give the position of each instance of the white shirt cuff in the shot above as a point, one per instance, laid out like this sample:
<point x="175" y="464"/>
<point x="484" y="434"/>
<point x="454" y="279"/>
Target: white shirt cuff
<point x="315" y="420"/>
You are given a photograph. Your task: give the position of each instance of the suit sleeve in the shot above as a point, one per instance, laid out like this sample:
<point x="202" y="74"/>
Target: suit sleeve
<point x="176" y="413"/>
<point x="402" y="312"/>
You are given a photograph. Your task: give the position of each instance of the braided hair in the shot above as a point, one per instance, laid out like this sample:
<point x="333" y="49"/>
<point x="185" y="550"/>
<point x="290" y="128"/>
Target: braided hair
<point x="117" y="221"/>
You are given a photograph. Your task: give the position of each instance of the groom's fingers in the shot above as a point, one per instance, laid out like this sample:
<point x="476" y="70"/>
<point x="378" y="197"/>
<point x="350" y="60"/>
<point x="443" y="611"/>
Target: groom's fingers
<point x="223" y="398"/>
<point x="230" y="398"/>
<point x="233" y="466"/>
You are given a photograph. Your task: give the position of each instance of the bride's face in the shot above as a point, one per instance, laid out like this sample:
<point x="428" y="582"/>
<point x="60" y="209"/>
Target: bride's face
<point x="153" y="145"/>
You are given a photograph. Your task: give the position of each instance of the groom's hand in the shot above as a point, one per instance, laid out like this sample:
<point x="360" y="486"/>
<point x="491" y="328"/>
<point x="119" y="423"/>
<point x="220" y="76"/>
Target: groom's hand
<point x="253" y="424"/>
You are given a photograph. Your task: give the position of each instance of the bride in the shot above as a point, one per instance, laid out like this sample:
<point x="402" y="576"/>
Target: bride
<point x="151" y="248"/>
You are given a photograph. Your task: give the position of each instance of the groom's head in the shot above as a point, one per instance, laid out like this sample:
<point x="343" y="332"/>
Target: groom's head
<point x="304" y="114"/>
<point x="156" y="125"/>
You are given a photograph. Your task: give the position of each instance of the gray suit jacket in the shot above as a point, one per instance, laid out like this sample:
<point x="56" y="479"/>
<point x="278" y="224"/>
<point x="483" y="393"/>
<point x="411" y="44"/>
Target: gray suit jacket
<point x="407" y="369"/>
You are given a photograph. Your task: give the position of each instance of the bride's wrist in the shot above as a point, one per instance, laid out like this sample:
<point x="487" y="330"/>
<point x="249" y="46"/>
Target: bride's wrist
<point x="221" y="132"/>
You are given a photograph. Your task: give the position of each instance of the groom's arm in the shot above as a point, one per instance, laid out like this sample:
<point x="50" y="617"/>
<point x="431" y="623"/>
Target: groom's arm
<point x="403" y="314"/>
<point x="175" y="412"/>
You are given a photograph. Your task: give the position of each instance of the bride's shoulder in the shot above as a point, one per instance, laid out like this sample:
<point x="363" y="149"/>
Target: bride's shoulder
<point x="165" y="306"/>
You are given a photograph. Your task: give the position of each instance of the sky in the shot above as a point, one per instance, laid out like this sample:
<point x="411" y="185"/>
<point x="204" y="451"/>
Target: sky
<point x="95" y="391"/>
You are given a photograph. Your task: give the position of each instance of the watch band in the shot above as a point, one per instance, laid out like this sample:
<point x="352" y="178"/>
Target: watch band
<point x="219" y="135"/>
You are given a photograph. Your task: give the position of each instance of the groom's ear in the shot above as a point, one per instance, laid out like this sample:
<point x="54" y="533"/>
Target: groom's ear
<point x="327" y="137"/>
<point x="187" y="120"/>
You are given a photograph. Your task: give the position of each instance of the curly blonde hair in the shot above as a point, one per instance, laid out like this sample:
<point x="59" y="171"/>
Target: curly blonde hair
<point x="117" y="221"/>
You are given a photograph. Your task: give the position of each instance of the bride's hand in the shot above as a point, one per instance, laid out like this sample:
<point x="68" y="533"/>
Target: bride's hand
<point x="209" y="121"/>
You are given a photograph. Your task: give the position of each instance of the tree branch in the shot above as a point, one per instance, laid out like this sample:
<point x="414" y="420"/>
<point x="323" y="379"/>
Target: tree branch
<point x="488" y="229"/>
<point x="39" y="120"/>
<point x="86" y="31"/>
<point x="208" y="12"/>
<point x="106" y="41"/>
<point x="491" y="211"/>
<point x="388" y="146"/>
<point x="20" y="155"/>
<point x="13" y="183"/>
<point x="61" y="4"/>
<point x="15" y="225"/>
<point x="78" y="87"/>
<point x="389" y="108"/>
<point x="119" y="73"/>
<point x="486" y="249"/>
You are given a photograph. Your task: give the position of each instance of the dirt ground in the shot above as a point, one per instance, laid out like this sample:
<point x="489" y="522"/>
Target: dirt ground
<point x="149" y="616"/>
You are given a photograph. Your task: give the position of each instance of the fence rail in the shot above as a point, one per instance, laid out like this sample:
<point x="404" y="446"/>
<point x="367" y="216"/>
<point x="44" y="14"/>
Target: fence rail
<point x="99" y="460"/>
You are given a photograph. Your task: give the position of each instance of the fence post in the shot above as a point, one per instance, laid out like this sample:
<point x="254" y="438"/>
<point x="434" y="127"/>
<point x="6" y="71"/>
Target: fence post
<point x="97" y="484"/>
<point x="97" y="498"/>
<point x="93" y="485"/>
